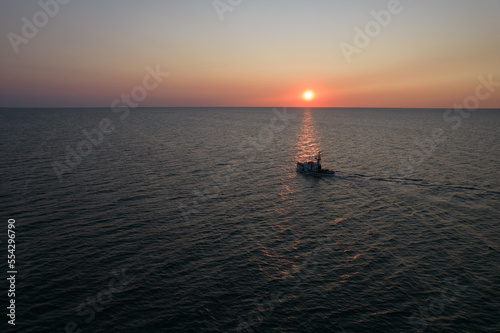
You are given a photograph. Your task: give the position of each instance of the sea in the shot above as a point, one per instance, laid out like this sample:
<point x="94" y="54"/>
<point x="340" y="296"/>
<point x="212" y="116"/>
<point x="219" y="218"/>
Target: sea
<point x="196" y="220"/>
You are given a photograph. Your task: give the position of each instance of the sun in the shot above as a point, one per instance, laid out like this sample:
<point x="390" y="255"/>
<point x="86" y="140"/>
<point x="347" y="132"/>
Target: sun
<point x="308" y="95"/>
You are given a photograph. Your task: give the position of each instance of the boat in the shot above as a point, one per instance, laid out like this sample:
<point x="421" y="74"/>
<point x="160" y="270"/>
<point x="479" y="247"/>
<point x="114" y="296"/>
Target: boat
<point x="314" y="168"/>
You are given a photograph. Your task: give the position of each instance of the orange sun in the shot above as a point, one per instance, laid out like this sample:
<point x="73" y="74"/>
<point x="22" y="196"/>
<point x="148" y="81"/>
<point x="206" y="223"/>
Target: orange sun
<point x="308" y="95"/>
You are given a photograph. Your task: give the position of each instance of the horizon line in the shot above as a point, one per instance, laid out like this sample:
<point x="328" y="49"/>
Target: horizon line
<point x="247" y="107"/>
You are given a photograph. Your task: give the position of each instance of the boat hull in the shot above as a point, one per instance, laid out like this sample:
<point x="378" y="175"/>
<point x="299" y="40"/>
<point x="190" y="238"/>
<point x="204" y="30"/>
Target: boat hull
<point x="318" y="174"/>
<point x="323" y="173"/>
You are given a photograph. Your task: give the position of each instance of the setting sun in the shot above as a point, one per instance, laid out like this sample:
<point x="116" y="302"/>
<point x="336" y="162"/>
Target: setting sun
<point x="308" y="95"/>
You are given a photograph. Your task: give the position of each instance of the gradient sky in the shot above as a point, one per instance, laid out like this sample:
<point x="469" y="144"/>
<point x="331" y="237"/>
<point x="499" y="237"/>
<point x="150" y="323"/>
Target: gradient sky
<point x="264" y="53"/>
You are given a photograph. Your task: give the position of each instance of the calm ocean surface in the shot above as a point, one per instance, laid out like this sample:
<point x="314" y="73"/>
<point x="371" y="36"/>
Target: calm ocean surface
<point x="195" y="220"/>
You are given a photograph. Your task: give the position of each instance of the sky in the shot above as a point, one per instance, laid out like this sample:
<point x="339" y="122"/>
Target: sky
<point x="249" y="53"/>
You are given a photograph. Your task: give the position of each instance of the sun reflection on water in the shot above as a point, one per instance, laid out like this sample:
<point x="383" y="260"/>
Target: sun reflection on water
<point x="308" y="144"/>
<point x="279" y="260"/>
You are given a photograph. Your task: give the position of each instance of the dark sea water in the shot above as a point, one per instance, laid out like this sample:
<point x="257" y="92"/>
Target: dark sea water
<point x="195" y="220"/>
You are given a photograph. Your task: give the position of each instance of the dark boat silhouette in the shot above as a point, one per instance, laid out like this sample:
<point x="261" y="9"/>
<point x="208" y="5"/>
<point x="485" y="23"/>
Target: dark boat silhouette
<point x="314" y="168"/>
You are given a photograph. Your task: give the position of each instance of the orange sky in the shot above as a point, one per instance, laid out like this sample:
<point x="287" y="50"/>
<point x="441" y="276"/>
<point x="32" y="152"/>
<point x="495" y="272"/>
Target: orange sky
<point x="430" y="54"/>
